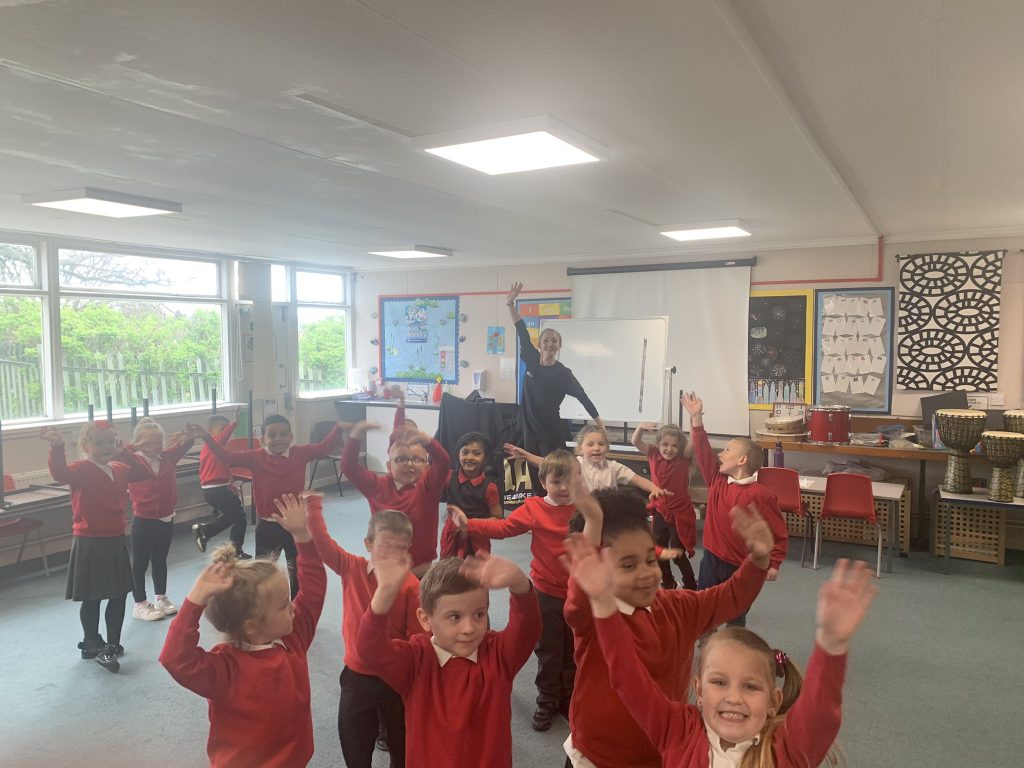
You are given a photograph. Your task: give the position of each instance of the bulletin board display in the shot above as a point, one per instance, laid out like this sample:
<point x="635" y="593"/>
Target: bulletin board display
<point x="779" y="345"/>
<point x="853" y="356"/>
<point x="419" y="338"/>
<point x="534" y="312"/>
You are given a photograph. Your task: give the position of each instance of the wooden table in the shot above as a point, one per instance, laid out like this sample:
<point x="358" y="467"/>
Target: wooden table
<point x="947" y="501"/>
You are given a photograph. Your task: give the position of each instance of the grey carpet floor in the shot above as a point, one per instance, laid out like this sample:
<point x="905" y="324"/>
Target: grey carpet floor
<point x="935" y="676"/>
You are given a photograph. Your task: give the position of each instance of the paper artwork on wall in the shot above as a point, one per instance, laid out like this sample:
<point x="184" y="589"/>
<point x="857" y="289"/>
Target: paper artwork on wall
<point x="778" y="348"/>
<point x="853" y="350"/>
<point x="949" y="321"/>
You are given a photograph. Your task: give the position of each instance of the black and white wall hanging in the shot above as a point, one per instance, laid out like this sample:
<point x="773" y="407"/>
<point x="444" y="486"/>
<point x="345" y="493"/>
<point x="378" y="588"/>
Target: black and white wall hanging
<point x="948" y="323"/>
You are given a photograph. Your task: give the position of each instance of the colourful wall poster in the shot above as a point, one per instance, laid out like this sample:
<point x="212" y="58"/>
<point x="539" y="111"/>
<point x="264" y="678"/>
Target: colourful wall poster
<point x="419" y="338"/>
<point x="779" y="348"/>
<point x="495" y="340"/>
<point x="533" y="312"/>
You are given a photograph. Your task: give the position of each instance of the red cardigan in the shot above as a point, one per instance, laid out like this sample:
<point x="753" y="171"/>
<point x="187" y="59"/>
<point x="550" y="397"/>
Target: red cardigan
<point x="97" y="502"/>
<point x="421" y="501"/>
<point x="719" y="537"/>
<point x="677" y="728"/>
<point x="156" y="495"/>
<point x="459" y="714"/>
<point x="357" y="587"/>
<point x="549" y="526"/>
<point x="213" y="471"/>
<point x="602" y="727"/>
<point x="258" y="700"/>
<point x="273" y="475"/>
<point x="677" y="510"/>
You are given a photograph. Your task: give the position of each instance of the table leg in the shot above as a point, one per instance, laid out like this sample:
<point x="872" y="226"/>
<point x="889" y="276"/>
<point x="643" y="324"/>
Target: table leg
<point x="949" y="535"/>
<point x="890" y="535"/>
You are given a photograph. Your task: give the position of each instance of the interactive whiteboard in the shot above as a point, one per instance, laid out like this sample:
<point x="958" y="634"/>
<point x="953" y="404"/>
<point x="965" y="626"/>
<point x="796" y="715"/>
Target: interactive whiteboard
<point x="620" y="363"/>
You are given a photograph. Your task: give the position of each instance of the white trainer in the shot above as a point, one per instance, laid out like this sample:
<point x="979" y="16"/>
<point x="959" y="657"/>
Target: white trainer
<point x="147" y="612"/>
<point x="165" y="606"/>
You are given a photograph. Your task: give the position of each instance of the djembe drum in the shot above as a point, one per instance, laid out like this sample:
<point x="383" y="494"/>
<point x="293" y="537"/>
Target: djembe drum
<point x="1003" y="450"/>
<point x="1013" y="421"/>
<point x="960" y="431"/>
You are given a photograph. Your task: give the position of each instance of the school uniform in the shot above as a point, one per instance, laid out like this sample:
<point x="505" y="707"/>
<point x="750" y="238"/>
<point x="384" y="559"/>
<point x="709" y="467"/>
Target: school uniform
<point x="419" y="501"/>
<point x="458" y="711"/>
<point x="677" y="729"/>
<point x="602" y="728"/>
<point x="604" y="475"/>
<point x="675" y="520"/>
<point x="548" y="525"/>
<point x="365" y="700"/>
<point x="220" y="493"/>
<point x="474" y="496"/>
<point x="259" y="697"/>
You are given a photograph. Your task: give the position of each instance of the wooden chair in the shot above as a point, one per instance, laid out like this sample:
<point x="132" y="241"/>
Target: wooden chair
<point x="243" y="475"/>
<point x="849" y="496"/>
<point x="318" y="433"/>
<point x="23" y="526"/>
<point x="785" y="484"/>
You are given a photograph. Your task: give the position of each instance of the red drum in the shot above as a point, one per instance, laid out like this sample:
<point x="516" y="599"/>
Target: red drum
<point x="828" y="424"/>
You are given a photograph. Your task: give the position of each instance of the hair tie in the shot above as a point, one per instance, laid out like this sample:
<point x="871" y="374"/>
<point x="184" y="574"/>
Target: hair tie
<point x="102" y="424"/>
<point x="780" y="663"/>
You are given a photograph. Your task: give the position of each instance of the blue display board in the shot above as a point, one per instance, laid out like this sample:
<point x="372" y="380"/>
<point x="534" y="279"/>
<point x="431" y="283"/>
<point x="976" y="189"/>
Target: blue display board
<point x="419" y="338"/>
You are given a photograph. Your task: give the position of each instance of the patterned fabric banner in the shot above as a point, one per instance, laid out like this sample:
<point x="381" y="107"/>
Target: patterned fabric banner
<point x="949" y="321"/>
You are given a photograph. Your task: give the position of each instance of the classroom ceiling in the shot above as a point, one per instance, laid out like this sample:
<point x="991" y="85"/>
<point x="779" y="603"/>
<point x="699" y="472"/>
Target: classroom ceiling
<point x="287" y="130"/>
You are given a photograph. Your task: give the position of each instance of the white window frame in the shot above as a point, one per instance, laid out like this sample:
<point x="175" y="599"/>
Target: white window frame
<point x="346" y="304"/>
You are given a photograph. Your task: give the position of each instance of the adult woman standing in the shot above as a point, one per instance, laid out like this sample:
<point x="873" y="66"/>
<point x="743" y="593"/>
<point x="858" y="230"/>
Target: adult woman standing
<point x="545" y="385"/>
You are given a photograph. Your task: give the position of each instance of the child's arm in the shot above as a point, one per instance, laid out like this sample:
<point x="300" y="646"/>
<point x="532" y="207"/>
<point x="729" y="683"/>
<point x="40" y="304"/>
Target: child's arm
<point x="773" y="516"/>
<point x="493" y="499"/>
<point x="587" y="506"/>
<point x="812" y="723"/>
<point x="515" y="452"/>
<point x="363" y="479"/>
<point x="291" y="516"/>
<point x="398" y="426"/>
<point x="520" y="635"/>
<point x="706" y="460"/>
<point x="638" y="436"/>
<point x="436" y="476"/>
<point x="208" y="674"/>
<point x="325" y="447"/>
<point x="178" y="444"/>
<point x="517" y="523"/>
<point x="58" y="460"/>
<point x="225" y="434"/>
<point x="391" y="660"/>
<point x="333" y="555"/>
<point x="231" y="458"/>
<point x="652" y="491"/>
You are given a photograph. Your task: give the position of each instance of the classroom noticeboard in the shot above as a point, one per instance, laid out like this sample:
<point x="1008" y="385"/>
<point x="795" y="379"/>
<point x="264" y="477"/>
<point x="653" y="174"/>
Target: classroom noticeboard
<point x="778" y="348"/>
<point x="620" y="363"/>
<point x="419" y="338"/>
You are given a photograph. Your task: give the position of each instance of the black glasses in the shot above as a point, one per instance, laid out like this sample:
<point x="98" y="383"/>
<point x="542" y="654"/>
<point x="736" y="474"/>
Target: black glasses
<point x="417" y="460"/>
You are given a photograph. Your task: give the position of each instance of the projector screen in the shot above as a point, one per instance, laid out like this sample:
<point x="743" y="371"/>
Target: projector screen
<point x="707" y="330"/>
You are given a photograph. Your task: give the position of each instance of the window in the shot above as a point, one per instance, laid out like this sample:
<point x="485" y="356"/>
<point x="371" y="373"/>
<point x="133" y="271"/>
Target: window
<point x="322" y="313"/>
<point x="18" y="265"/>
<point x="279" y="292"/>
<point x="92" y="271"/>
<point x="22" y="383"/>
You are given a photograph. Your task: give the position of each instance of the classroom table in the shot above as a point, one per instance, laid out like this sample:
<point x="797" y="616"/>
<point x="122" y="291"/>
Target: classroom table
<point x="889" y="493"/>
<point x="947" y="502"/>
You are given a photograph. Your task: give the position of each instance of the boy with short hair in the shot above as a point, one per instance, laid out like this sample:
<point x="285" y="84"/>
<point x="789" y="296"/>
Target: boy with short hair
<point x="219" y="490"/>
<point x="278" y="468"/>
<point x="547" y="519"/>
<point x="456" y="684"/>
<point x="472" y="492"/>
<point x="417" y="471"/>
<point x="731" y="478"/>
<point x="367" y="702"/>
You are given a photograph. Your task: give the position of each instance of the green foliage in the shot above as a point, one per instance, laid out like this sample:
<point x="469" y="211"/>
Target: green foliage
<point x="322" y="358"/>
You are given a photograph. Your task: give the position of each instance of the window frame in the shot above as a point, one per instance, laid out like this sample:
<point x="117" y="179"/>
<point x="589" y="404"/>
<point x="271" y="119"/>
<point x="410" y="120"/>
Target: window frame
<point x="346" y="304"/>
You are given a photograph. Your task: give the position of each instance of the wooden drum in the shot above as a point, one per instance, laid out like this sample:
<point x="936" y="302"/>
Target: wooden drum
<point x="960" y="431"/>
<point x="1013" y="421"/>
<point x="1003" y="449"/>
<point x="828" y="424"/>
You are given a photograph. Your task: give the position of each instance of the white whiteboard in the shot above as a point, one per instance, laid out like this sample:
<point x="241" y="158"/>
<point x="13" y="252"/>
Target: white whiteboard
<point x="620" y="363"/>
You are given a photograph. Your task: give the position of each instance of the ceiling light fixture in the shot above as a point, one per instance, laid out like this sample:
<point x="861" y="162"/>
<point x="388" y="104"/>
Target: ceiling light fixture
<point x="707" y="230"/>
<point x="413" y="252"/>
<point x="102" y="202"/>
<point x="523" y="145"/>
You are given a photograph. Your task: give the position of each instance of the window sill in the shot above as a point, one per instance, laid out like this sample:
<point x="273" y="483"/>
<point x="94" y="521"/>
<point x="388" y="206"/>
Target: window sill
<point x="12" y="429"/>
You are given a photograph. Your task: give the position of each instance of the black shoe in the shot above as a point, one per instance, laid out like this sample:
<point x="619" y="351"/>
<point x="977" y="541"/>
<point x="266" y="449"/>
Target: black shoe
<point x="90" y="648"/>
<point x="200" y="533"/>
<point x="241" y="555"/>
<point x="543" y="716"/>
<point x="107" y="658"/>
<point x="119" y="649"/>
<point x="563" y="709"/>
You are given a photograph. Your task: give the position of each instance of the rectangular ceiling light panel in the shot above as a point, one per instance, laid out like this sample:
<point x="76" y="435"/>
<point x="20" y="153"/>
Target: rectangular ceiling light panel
<point x="102" y="202"/>
<point x="711" y="230"/>
<point x="513" y="154"/>
<point x="413" y="252"/>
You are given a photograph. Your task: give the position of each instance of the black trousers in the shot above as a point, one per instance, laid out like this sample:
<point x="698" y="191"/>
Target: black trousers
<point x="665" y="535"/>
<point x="714" y="571"/>
<point x="367" y="702"/>
<point x="272" y="539"/>
<point x="556" y="669"/>
<point x="228" y="508"/>
<point x="151" y="541"/>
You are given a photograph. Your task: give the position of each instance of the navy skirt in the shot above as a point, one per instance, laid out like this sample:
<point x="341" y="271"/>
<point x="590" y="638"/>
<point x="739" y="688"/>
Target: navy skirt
<point x="100" y="568"/>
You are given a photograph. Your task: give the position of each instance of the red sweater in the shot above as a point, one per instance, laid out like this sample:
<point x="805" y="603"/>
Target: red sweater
<point x="273" y="475"/>
<point x="719" y="537"/>
<point x="213" y="471"/>
<point x="357" y="587"/>
<point x="156" y="495"/>
<point x="602" y="727"/>
<point x="677" y="728"/>
<point x="677" y="509"/>
<point x="419" y="501"/>
<point x="258" y="700"/>
<point x="549" y="526"/>
<point x="97" y="502"/>
<point x="459" y="714"/>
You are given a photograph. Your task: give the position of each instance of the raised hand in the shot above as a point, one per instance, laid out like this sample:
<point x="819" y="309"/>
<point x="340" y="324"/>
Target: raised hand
<point x="514" y="451"/>
<point x="659" y="493"/>
<point x="755" y="532"/>
<point x="214" y="579"/>
<point x="177" y="438"/>
<point x="195" y="431"/>
<point x="458" y="517"/>
<point x="391" y="567"/>
<point x="361" y="428"/>
<point x="693" y="404"/>
<point x="843" y="602"/>
<point x="51" y="435"/>
<point x="493" y="572"/>
<point x="648" y="426"/>
<point x="291" y="515"/>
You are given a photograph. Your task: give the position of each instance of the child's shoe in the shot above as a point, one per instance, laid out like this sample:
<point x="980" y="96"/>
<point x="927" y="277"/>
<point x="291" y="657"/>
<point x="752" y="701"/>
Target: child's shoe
<point x="543" y="716"/>
<point x="90" y="648"/>
<point x="242" y="555"/>
<point x="200" y="533"/>
<point x="147" y="612"/>
<point x="107" y="658"/>
<point x="165" y="606"/>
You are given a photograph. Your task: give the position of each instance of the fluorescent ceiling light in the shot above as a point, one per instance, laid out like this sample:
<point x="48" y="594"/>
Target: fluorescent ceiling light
<point x="413" y="252"/>
<point x="102" y="202"/>
<point x="708" y="230"/>
<point x="512" y="154"/>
